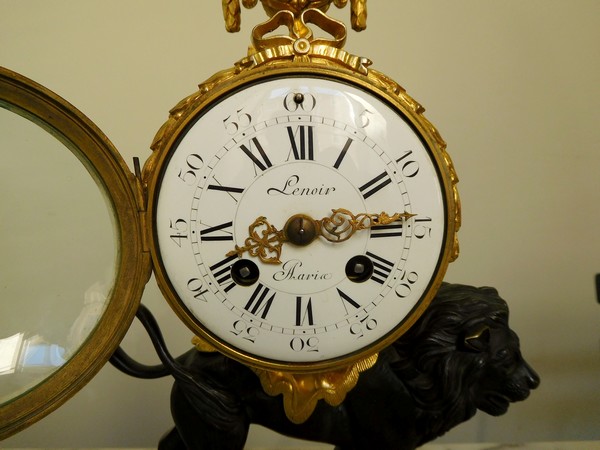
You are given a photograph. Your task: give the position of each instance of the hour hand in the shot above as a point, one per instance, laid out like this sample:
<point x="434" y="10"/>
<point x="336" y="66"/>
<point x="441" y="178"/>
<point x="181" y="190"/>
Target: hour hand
<point x="264" y="241"/>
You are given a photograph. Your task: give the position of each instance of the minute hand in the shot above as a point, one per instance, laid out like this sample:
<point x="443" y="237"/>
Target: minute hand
<point x="341" y="225"/>
<point x="266" y="241"/>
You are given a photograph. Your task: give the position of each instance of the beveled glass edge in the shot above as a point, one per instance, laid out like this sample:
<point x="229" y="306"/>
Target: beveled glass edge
<point x="123" y="192"/>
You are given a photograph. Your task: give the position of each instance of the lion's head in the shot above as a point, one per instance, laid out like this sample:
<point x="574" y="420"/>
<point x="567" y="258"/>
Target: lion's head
<point x="461" y="356"/>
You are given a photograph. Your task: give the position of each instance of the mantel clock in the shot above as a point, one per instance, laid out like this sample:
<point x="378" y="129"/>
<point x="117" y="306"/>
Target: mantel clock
<point x="298" y="209"/>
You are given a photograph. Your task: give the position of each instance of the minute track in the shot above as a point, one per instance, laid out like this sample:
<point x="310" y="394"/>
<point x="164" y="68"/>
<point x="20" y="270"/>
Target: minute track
<point x="293" y="170"/>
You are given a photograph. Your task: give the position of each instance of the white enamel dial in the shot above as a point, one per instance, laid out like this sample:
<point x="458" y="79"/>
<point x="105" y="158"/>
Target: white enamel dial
<point x="288" y="146"/>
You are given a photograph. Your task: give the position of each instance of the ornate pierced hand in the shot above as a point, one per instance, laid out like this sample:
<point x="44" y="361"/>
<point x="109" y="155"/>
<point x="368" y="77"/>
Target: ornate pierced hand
<point x="266" y="241"/>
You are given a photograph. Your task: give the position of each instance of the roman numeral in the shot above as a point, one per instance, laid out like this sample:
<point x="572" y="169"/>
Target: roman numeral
<point x="375" y="185"/>
<point x="342" y="154"/>
<point x="304" y="312"/>
<point x="262" y="161"/>
<point x="392" y="230"/>
<point x="303" y="149"/>
<point x="222" y="272"/>
<point x="259" y="304"/>
<point x="211" y="234"/>
<point x="382" y="268"/>
<point x="347" y="299"/>
<point x="229" y="190"/>
<point x="233" y="190"/>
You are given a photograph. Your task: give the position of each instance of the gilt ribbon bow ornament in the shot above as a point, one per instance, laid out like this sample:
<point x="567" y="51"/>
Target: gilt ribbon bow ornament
<point x="296" y="15"/>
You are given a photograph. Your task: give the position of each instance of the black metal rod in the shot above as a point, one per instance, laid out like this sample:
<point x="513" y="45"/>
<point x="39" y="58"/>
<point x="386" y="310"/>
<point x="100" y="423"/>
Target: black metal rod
<point x="123" y="362"/>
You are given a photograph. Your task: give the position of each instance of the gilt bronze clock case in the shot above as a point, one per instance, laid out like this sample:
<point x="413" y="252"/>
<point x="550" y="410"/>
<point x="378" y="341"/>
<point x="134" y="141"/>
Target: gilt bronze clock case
<point x="296" y="73"/>
<point x="256" y="157"/>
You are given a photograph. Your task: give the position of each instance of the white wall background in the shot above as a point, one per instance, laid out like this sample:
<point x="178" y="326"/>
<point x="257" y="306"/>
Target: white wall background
<point x="513" y="86"/>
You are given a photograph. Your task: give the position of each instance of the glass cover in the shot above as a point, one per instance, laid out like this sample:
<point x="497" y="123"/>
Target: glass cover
<point x="58" y="250"/>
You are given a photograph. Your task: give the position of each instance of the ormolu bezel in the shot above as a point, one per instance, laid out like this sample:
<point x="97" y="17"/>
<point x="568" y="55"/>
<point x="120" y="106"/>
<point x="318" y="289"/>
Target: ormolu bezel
<point x="223" y="84"/>
<point x="36" y="103"/>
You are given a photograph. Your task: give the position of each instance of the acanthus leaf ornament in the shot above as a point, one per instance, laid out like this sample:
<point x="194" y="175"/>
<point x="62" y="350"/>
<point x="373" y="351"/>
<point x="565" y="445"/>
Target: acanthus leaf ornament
<point x="302" y="392"/>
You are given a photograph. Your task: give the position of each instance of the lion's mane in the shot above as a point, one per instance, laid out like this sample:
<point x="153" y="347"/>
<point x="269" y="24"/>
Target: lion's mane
<point x="436" y="367"/>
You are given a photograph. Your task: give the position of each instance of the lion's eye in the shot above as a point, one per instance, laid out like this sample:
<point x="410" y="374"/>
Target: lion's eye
<point x="503" y="354"/>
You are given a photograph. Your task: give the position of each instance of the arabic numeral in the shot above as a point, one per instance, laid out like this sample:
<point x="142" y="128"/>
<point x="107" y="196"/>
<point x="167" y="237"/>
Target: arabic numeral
<point x="197" y="289"/>
<point x="310" y="344"/>
<point x="296" y="101"/>
<point x="359" y="329"/>
<point x="364" y="119"/>
<point x="410" y="167"/>
<point x="179" y="231"/>
<point x="237" y="121"/>
<point x="245" y="331"/>
<point x="408" y="279"/>
<point x="422" y="227"/>
<point x="194" y="163"/>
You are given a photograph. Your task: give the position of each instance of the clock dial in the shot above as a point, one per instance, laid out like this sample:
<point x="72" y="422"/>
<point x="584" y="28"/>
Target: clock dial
<point x="291" y="147"/>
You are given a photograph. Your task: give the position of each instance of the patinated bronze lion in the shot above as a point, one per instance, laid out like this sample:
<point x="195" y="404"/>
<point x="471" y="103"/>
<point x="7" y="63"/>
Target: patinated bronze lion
<point x="459" y="357"/>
